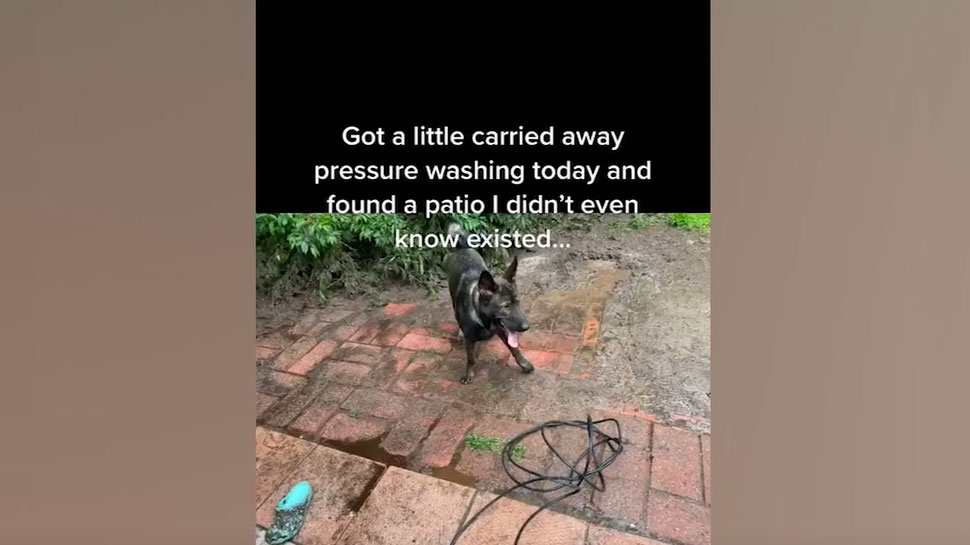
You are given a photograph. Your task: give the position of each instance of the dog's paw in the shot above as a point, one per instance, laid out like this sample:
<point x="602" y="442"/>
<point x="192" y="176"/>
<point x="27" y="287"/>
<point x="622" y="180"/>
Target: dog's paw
<point x="467" y="379"/>
<point x="527" y="367"/>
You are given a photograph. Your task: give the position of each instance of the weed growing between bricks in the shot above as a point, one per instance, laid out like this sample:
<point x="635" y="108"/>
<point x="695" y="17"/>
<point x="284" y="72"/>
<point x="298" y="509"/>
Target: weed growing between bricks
<point x="480" y="443"/>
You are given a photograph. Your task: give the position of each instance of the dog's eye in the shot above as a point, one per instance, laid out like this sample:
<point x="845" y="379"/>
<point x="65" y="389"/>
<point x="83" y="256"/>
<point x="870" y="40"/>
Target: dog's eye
<point x="505" y="306"/>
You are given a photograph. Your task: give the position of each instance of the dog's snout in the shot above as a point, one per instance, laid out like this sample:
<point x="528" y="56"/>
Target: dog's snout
<point x="525" y="324"/>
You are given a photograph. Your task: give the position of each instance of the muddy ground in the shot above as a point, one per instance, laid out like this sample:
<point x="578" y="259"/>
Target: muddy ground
<point x="650" y="289"/>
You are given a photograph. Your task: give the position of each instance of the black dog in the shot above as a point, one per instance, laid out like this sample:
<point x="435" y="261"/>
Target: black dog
<point x="484" y="305"/>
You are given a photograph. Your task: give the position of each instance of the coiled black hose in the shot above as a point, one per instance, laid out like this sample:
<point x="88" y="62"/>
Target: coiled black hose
<point x="590" y="472"/>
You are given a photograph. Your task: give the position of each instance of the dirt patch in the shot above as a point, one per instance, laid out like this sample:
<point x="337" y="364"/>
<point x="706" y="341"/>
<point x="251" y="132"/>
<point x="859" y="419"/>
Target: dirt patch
<point x="649" y="289"/>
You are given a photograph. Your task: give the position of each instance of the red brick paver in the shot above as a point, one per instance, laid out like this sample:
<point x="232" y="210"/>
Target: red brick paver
<point x="549" y="361"/>
<point x="677" y="462"/>
<point x="445" y="330"/>
<point x="339" y="332"/>
<point x="312" y="419"/>
<point x="344" y="428"/>
<point x="345" y="372"/>
<point x="263" y="402"/>
<point x="407" y="433"/>
<point x="276" y="383"/>
<point x="396" y="310"/>
<point x="385" y="372"/>
<point x="543" y="340"/>
<point x="407" y="508"/>
<point x="625" y="497"/>
<point x="360" y="353"/>
<point x="376" y="403"/>
<point x="415" y="341"/>
<point x="319" y="411"/>
<point x="634" y="430"/>
<point x="318" y="353"/>
<point x="416" y="374"/>
<point x="272" y="340"/>
<point x="288" y="408"/>
<point x="306" y="324"/>
<point x="391" y="334"/>
<point x="264" y="352"/>
<point x="298" y="349"/>
<point x="335" y="315"/>
<point x="679" y="519"/>
<point x="446" y="437"/>
<point x="366" y="333"/>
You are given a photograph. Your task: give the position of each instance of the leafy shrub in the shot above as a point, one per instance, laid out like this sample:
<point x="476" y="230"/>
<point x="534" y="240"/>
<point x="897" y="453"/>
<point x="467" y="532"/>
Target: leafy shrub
<point x="357" y="252"/>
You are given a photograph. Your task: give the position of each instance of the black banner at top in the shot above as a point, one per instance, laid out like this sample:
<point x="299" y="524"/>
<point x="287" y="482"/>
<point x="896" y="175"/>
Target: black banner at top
<point x="606" y="112"/>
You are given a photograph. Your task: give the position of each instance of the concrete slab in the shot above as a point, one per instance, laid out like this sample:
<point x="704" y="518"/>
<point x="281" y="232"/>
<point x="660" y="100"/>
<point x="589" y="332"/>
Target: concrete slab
<point x="340" y="484"/>
<point x="407" y="508"/>
<point x="501" y="523"/>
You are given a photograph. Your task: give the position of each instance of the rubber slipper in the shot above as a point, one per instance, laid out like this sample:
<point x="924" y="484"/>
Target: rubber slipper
<point x="290" y="514"/>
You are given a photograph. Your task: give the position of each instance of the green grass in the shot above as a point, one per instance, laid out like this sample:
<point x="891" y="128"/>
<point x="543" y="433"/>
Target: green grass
<point x="482" y="443"/>
<point x="690" y="222"/>
<point x="354" y="413"/>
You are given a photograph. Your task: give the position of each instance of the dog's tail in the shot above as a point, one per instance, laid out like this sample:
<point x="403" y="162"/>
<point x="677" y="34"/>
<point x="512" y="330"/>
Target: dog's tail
<point x="457" y="238"/>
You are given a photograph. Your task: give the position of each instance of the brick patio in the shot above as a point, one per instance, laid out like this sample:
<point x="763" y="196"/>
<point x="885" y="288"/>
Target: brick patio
<point x="348" y="393"/>
<point x="361" y="502"/>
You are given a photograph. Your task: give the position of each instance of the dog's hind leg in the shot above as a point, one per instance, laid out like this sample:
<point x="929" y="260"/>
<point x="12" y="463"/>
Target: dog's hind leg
<point x="469" y="371"/>
<point x="519" y="357"/>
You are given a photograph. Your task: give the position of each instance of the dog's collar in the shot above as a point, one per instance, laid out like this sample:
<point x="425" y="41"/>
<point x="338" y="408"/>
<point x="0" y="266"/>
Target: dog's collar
<point x="473" y="291"/>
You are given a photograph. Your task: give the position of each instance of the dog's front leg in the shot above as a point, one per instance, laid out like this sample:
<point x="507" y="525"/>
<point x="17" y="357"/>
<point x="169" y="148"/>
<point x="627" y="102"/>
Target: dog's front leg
<point x="519" y="356"/>
<point x="469" y="371"/>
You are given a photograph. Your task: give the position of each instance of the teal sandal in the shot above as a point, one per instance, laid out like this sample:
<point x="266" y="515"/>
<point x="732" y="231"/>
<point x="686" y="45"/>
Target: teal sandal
<point x="290" y="514"/>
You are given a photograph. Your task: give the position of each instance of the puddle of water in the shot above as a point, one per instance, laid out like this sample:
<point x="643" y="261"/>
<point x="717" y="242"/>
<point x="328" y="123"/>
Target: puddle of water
<point x="370" y="449"/>
<point x="450" y="473"/>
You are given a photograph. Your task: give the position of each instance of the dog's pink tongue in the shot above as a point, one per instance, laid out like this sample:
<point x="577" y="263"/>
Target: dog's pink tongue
<point x="513" y="339"/>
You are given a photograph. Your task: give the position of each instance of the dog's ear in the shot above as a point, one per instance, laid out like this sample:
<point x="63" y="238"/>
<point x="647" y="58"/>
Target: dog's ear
<point x="486" y="283"/>
<point x="510" y="272"/>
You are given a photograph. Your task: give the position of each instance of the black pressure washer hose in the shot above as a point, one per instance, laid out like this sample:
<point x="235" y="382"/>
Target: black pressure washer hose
<point x="591" y="472"/>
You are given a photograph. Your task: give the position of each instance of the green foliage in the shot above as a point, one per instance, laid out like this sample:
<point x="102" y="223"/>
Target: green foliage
<point x="691" y="222"/>
<point x="357" y="252"/>
<point x="482" y="443"/>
